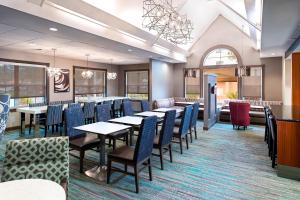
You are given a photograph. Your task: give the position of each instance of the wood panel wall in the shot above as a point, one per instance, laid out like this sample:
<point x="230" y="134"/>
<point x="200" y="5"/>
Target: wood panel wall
<point x="296" y="79"/>
<point x="288" y="143"/>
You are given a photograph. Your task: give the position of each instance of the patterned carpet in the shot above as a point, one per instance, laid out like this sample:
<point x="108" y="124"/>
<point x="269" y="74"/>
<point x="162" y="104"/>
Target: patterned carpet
<point x="221" y="164"/>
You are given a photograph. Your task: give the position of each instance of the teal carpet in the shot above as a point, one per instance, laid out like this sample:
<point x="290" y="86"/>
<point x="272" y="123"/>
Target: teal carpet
<point x="221" y="164"/>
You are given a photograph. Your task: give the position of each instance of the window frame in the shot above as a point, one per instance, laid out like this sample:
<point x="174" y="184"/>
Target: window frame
<point x="92" y="69"/>
<point x="218" y="48"/>
<point x="46" y="96"/>
<point x="136" y="70"/>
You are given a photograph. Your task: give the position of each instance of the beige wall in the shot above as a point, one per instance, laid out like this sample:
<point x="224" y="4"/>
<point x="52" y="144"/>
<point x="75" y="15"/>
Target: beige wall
<point x="287" y="82"/>
<point x="224" y="33"/>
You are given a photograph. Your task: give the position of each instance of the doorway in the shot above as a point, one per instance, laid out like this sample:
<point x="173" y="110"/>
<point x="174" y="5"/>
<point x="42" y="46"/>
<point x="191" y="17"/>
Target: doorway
<point x="227" y="82"/>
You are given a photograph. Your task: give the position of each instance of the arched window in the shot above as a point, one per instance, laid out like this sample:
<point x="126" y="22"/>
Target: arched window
<point x="220" y="56"/>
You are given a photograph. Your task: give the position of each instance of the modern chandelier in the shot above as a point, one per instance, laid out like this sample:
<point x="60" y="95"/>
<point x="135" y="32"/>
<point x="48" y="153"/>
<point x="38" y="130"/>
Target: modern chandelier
<point x="87" y="74"/>
<point x="162" y="17"/>
<point x="53" y="71"/>
<point x="111" y="75"/>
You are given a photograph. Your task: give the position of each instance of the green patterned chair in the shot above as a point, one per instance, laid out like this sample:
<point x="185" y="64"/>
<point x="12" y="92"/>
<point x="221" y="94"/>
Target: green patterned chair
<point x="40" y="158"/>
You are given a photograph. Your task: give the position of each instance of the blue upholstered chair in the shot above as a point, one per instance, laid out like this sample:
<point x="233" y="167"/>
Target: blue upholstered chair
<point x="117" y="104"/>
<point x="127" y="108"/>
<point x="182" y="131"/>
<point x="79" y="140"/>
<point x="164" y="139"/>
<point x="145" y="106"/>
<point x="54" y="118"/>
<point x="194" y="117"/>
<point x="273" y="135"/>
<point x="137" y="156"/>
<point x="4" y="111"/>
<point x="39" y="158"/>
<point x="74" y="105"/>
<point x="89" y="112"/>
<point x="103" y="115"/>
<point x="31" y="118"/>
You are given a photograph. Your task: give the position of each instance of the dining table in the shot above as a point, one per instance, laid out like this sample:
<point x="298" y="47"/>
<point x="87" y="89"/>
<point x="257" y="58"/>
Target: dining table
<point x="36" y="112"/>
<point x="133" y="121"/>
<point x="102" y="129"/>
<point x="31" y="189"/>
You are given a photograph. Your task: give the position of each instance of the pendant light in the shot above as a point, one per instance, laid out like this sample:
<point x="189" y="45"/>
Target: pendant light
<point x="87" y="74"/>
<point x="53" y="71"/>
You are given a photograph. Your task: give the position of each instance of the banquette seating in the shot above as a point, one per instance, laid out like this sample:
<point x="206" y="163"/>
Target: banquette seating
<point x="257" y="113"/>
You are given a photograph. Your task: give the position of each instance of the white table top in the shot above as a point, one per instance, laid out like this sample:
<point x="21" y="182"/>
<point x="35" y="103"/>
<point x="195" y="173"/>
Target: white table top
<point x="36" y="110"/>
<point x="130" y="120"/>
<point x="168" y="109"/>
<point x="102" y="128"/>
<point x="31" y="189"/>
<point x="150" y="113"/>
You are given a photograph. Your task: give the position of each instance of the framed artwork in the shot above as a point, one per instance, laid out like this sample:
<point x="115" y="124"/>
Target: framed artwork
<point x="62" y="81"/>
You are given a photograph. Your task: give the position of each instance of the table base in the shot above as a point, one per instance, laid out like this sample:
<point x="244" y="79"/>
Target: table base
<point x="98" y="173"/>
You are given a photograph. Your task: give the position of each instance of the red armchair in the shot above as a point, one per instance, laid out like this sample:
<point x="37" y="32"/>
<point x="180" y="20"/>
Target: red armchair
<point x="239" y="114"/>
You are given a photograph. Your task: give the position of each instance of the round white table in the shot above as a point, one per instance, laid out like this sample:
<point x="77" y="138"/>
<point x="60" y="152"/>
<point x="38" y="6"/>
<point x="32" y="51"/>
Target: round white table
<point x="31" y="189"/>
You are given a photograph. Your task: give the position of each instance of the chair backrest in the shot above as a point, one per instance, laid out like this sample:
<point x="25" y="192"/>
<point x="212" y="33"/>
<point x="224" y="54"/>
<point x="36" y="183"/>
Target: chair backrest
<point x="40" y="158"/>
<point x="89" y="109"/>
<point x="54" y="114"/>
<point x="127" y="108"/>
<point x="117" y="104"/>
<point x="4" y="112"/>
<point x="103" y="113"/>
<point x="145" y="105"/>
<point x="194" y="114"/>
<point x="239" y="113"/>
<point x="166" y="132"/>
<point x="36" y="104"/>
<point x="54" y="102"/>
<point x="74" y="105"/>
<point x="144" y="144"/>
<point x="186" y="120"/>
<point x="73" y="117"/>
<point x="109" y="102"/>
<point x="273" y="127"/>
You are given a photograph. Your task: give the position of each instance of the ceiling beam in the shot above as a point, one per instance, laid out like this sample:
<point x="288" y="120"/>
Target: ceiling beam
<point x="293" y="47"/>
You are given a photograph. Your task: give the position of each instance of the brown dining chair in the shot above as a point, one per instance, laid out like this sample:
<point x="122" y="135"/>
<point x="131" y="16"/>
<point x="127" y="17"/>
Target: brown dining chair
<point x="137" y="156"/>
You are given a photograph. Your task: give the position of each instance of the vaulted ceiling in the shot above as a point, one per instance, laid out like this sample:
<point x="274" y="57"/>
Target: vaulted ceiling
<point x="112" y="29"/>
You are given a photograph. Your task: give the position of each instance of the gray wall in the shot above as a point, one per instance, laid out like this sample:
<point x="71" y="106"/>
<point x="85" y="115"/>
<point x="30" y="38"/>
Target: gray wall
<point x="272" y="78"/>
<point x="162" y="79"/>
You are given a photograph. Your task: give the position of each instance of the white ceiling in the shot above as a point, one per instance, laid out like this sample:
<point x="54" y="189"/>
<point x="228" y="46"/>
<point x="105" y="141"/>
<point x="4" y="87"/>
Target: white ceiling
<point x="280" y="26"/>
<point x="107" y="29"/>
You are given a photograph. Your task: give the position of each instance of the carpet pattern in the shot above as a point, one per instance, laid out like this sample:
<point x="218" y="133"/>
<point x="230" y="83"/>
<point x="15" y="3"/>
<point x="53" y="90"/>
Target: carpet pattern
<point x="221" y="164"/>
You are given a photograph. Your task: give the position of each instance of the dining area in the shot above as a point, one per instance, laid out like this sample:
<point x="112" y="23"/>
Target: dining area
<point x="125" y="140"/>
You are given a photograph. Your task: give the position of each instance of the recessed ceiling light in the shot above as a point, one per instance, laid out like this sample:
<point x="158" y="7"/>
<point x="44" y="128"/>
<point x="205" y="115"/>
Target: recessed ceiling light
<point x="32" y="44"/>
<point x="130" y="50"/>
<point x="273" y="54"/>
<point x="53" y="29"/>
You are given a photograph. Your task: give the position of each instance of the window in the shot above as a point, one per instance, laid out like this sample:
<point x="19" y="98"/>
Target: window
<point x="137" y="84"/>
<point x="26" y="83"/>
<point x="220" y="56"/>
<point x="95" y="86"/>
<point x="192" y="83"/>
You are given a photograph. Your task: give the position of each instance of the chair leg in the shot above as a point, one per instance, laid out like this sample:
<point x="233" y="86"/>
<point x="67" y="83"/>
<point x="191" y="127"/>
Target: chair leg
<point x="114" y="144"/>
<point x="56" y="127"/>
<point x="46" y="130"/>
<point x="191" y="135"/>
<point x="81" y="161"/>
<point x="108" y="171"/>
<point x="161" y="158"/>
<point x="186" y="141"/>
<point x="125" y="167"/>
<point x="195" y="129"/>
<point x="180" y="143"/>
<point x="170" y="152"/>
<point x="136" y="177"/>
<point x="150" y="169"/>
<point x="30" y="123"/>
